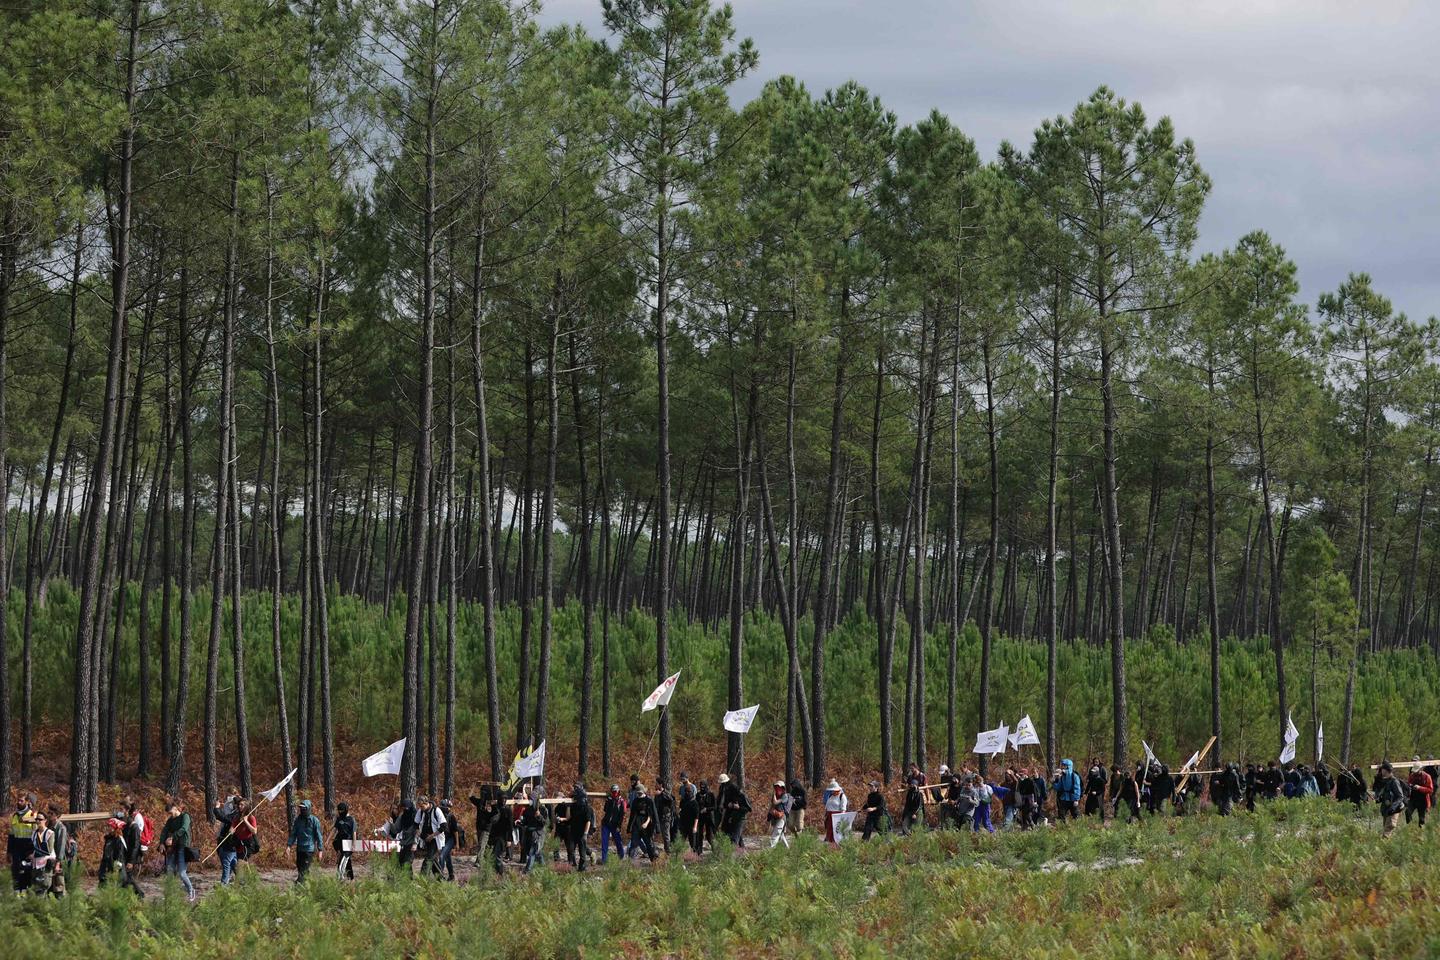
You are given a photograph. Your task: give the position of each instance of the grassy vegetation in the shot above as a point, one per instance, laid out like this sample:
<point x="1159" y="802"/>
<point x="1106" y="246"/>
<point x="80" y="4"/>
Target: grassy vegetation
<point x="1296" y="879"/>
<point x="1168" y="683"/>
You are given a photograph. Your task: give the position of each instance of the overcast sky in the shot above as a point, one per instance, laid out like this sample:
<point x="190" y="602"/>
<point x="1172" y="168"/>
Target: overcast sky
<point x="1318" y="121"/>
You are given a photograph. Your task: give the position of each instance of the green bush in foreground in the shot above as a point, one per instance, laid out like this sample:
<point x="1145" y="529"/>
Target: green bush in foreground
<point x="1296" y="879"/>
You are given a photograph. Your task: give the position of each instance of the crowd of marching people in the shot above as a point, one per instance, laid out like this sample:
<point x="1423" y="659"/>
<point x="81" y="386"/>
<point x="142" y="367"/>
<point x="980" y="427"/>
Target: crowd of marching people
<point x="513" y="821"/>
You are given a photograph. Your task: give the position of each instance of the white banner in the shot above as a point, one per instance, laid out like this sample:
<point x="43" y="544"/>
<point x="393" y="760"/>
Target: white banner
<point x="1291" y="734"/>
<point x="1320" y="743"/>
<point x="1190" y="764"/>
<point x="532" y="765"/>
<point x="992" y="741"/>
<point x="663" y="693"/>
<point x="1024" y="733"/>
<point x="738" y="721"/>
<point x="370" y="846"/>
<point x="274" y="791"/>
<point x="1288" y="753"/>
<point x="1149" y="754"/>
<point x="386" y="761"/>
<point x="844" y="824"/>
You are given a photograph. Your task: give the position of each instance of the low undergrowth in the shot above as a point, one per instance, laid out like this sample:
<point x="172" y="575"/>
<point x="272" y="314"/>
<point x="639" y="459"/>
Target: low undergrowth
<point x="1294" y="879"/>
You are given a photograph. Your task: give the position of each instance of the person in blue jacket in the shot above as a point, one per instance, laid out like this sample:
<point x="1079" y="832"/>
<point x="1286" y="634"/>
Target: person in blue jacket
<point x="1067" y="791"/>
<point x="308" y="839"/>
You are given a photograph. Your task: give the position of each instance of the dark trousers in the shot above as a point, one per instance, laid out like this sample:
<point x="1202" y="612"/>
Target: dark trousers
<point x="641" y="840"/>
<point x="704" y="830"/>
<point x="1067" y="808"/>
<point x="303" y="859"/>
<point x="1418" y="807"/>
<point x="736" y="833"/>
<point x="874" y="823"/>
<point x="577" y="850"/>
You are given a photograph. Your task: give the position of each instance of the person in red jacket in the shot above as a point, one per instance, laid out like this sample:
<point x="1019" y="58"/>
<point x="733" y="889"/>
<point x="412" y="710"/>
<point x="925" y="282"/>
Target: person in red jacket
<point x="1421" y="787"/>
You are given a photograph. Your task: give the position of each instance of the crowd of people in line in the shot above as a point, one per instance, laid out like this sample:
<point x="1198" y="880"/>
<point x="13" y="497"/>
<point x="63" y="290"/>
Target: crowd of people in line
<point x="511" y="824"/>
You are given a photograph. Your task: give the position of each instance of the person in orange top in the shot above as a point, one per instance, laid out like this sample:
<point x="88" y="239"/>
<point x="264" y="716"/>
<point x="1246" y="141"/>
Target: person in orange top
<point x="1421" y="788"/>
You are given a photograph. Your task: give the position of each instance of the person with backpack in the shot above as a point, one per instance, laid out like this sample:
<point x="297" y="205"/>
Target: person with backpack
<point x="43" y="862"/>
<point x="144" y="834"/>
<point x="232" y="848"/>
<point x="112" y="851"/>
<point x="1027" y="802"/>
<point x="343" y="830"/>
<point x="982" y="794"/>
<point x="734" y="808"/>
<point x="779" y="810"/>
<point x="454" y="835"/>
<point x="643" y="822"/>
<point x="1422" y="787"/>
<point x="1124" y="788"/>
<point x="1391" y="797"/>
<point x="707" y="807"/>
<point x="612" y="819"/>
<point x="1067" y="791"/>
<point x="912" y="810"/>
<point x="402" y="827"/>
<point x="1095" y="786"/>
<point x="532" y="832"/>
<point x="66" y="850"/>
<point x="308" y="839"/>
<point x="21" y="842"/>
<point x="836" y="802"/>
<point x="431" y="836"/>
<point x="874" y="810"/>
<point x="175" y="841"/>
<point x="795" y="819"/>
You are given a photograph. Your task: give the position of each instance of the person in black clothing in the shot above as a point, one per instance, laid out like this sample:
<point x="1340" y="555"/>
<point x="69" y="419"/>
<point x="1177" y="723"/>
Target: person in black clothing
<point x="1025" y="800"/>
<point x="689" y="809"/>
<point x="734" y="806"/>
<point x="1095" y="790"/>
<point x="612" y="821"/>
<point x="874" y="810"/>
<point x="1230" y="788"/>
<point x="1162" y="788"/>
<point x="1323" y="781"/>
<point x="643" y="823"/>
<point x="453" y="835"/>
<point x="579" y="819"/>
<point x="112" y="851"/>
<point x="345" y="828"/>
<point x="913" y="807"/>
<point x="1124" y="789"/>
<point x="1271" y="780"/>
<point x="707" y="815"/>
<point x="664" y="813"/>
<point x="498" y="824"/>
<point x="795" y="819"/>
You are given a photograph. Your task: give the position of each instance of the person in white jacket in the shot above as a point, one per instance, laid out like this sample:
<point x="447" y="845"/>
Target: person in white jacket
<point x="835" y="802"/>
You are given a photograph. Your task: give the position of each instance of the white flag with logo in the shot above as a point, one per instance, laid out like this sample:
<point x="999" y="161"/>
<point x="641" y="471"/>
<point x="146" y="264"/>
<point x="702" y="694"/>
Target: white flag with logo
<point x="1288" y="753"/>
<point x="1024" y="733"/>
<point x="1319" y="743"/>
<point x="386" y="761"/>
<point x="530" y="765"/>
<point x="738" y="721"/>
<point x="1149" y="754"/>
<point x="1291" y="734"/>
<point x="274" y="791"/>
<point x="992" y="741"/>
<point x="844" y="824"/>
<point x="663" y="693"/>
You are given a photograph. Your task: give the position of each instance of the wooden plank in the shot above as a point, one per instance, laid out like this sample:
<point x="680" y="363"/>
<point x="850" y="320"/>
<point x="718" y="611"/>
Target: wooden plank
<point x="1408" y="764"/>
<point x="92" y="817"/>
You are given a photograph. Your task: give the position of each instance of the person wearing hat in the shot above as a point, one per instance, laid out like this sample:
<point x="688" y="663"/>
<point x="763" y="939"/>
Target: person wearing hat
<point x="343" y="830"/>
<point x="706" y="817"/>
<point x="835" y="802"/>
<point x="1391" y="797"/>
<point x="874" y="810"/>
<point x="308" y="839"/>
<point x="175" y="841"/>
<point x="779" y="810"/>
<point x="612" y="819"/>
<point x="734" y="807"/>
<point x="1422" y="787"/>
<point x="643" y="821"/>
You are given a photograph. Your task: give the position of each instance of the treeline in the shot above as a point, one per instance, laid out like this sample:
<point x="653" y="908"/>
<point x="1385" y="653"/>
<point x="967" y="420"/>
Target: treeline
<point x="317" y="303"/>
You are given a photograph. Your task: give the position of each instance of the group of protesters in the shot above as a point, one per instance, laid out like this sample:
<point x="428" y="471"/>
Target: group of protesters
<point x="512" y="821"/>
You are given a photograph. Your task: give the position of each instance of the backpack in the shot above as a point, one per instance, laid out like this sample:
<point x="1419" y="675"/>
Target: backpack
<point x="147" y="832"/>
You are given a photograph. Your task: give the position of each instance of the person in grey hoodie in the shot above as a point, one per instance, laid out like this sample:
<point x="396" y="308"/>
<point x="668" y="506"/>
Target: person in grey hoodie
<point x="308" y="839"/>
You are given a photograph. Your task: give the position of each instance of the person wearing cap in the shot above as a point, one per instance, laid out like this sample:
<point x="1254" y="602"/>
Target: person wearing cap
<point x="835" y="803"/>
<point x="1095" y="782"/>
<point x="643" y="821"/>
<point x="1421" y="789"/>
<point x="1390" y="796"/>
<point x="779" y="810"/>
<point x="795" y="820"/>
<point x="21" y="844"/>
<point x="612" y="819"/>
<point x="912" y="811"/>
<point x="707" y="816"/>
<point x="343" y="830"/>
<point x="308" y="839"/>
<point x="689" y="809"/>
<point x="734" y="807"/>
<point x="874" y="810"/>
<point x="175" y="841"/>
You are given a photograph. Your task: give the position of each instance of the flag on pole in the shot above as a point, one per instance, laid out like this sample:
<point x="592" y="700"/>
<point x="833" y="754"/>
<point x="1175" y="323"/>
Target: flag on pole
<point x="662" y="694"/>
<point x="530" y="765"/>
<point x="1320" y="743"/>
<point x="1190" y="764"/>
<point x="1291" y="734"/>
<point x="992" y="741"/>
<point x="274" y="791"/>
<point x="386" y="761"/>
<point x="739" y="721"/>
<point x="1288" y="753"/>
<point x="1149" y="754"/>
<point x="843" y="824"/>
<point x="1024" y="733"/>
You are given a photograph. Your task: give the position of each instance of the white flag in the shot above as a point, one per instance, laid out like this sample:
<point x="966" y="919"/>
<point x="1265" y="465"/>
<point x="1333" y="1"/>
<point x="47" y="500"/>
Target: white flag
<point x="991" y="741"/>
<point x="1190" y="764"/>
<point x="1288" y="753"/>
<point x="1319" y="743"/>
<point x="386" y="761"/>
<point x="1024" y="733"/>
<point x="738" y="721"/>
<point x="1291" y="734"/>
<point x="274" y="791"/>
<point x="844" y="824"/>
<point x="532" y="765"/>
<point x="1149" y="754"/>
<point x="662" y="694"/>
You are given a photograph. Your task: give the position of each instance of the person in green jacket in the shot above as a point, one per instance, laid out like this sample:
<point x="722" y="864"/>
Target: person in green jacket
<point x="175" y="841"/>
<point x="307" y="838"/>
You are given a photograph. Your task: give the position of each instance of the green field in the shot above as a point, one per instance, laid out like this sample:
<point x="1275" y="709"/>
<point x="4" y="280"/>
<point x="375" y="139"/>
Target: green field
<point x="1295" y="879"/>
